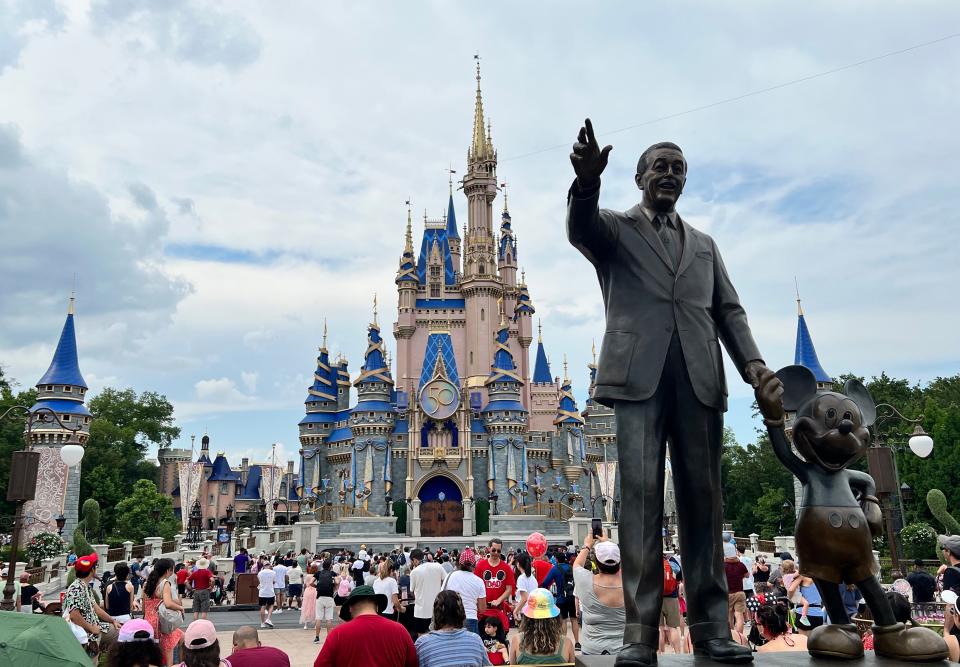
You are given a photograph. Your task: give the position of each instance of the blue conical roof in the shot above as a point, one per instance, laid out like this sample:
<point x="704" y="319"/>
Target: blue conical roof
<point x="806" y="354"/>
<point x="324" y="387"/>
<point x="374" y="360"/>
<point x="503" y="368"/>
<point x="541" y="369"/>
<point x="65" y="367"/>
<point x="452" y="220"/>
<point x="567" y="412"/>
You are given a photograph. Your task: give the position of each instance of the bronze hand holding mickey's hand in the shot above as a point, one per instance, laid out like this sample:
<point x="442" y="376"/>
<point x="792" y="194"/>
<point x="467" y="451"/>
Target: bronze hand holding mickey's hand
<point x="768" y="390"/>
<point x="588" y="159"/>
<point x="874" y="516"/>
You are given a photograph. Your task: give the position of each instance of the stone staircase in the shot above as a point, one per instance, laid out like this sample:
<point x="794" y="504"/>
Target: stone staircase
<point x="556" y="528"/>
<point x="326" y="530"/>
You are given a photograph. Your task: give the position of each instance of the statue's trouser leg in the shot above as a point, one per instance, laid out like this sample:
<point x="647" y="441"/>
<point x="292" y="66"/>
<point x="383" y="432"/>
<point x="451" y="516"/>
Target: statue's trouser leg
<point x="695" y="433"/>
<point x="876" y="599"/>
<point x="832" y="602"/>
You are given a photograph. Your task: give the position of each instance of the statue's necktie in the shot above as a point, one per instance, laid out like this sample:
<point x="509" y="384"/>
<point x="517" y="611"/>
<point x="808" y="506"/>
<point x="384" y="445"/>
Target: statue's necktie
<point x="669" y="238"/>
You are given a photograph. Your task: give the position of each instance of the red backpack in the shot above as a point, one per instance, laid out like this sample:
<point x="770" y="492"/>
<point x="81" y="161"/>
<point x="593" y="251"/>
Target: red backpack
<point x="669" y="579"/>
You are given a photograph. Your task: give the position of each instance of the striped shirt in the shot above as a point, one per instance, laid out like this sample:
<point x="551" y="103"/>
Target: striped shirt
<point x="457" y="648"/>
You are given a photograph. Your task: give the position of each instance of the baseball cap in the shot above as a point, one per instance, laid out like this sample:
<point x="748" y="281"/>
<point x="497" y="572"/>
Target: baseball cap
<point x="84" y="564"/>
<point x="607" y="552"/>
<point x="137" y="630"/>
<point x="200" y="634"/>
<point x="540" y="604"/>
<point x="951" y="543"/>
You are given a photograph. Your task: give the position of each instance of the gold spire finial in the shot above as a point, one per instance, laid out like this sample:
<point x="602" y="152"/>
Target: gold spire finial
<point x="73" y="295"/>
<point x="503" y="186"/>
<point x="503" y="320"/>
<point x="479" y="147"/>
<point x="593" y="351"/>
<point x="408" y="241"/>
<point x="523" y="277"/>
<point x="324" y="333"/>
<point x="799" y="307"/>
<point x="450" y="172"/>
<point x="566" y="375"/>
<point x="539" y="331"/>
<point x="375" y="308"/>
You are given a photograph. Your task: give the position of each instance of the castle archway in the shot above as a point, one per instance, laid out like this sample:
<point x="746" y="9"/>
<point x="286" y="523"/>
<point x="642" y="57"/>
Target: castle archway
<point x="441" y="507"/>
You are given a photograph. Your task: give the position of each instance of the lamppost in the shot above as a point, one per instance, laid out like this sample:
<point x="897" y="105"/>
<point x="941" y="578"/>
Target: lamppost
<point x="883" y="468"/>
<point x="388" y="502"/>
<point x="262" y="515"/>
<point x="493" y="498"/>
<point x="231" y="523"/>
<point x="61" y="522"/>
<point x="23" y="480"/>
<point x="196" y="521"/>
<point x="787" y="506"/>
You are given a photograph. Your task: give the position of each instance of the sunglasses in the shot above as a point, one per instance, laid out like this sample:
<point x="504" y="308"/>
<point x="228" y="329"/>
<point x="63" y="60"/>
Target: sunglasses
<point x="494" y="551"/>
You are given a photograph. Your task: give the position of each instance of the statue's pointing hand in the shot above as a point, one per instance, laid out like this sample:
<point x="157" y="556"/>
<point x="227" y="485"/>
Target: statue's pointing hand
<point x="588" y="159"/>
<point x="769" y="393"/>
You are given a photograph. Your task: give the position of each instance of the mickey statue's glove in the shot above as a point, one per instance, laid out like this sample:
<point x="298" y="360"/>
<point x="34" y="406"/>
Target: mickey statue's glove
<point x="871" y="510"/>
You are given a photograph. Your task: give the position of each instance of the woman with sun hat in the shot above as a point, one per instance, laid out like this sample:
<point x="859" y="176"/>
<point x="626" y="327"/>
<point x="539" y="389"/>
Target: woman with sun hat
<point x="541" y="640"/>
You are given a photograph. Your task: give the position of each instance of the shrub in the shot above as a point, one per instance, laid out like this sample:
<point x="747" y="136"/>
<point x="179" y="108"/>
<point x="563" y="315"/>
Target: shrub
<point x="919" y="540"/>
<point x="43" y="545"/>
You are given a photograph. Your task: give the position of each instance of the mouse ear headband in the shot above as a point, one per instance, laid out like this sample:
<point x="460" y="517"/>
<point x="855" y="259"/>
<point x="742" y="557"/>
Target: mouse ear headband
<point x="799" y="386"/>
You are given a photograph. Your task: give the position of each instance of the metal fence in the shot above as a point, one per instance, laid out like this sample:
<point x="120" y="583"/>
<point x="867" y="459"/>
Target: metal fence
<point x="115" y="554"/>
<point x="139" y="551"/>
<point x="36" y="574"/>
<point x="168" y="546"/>
<point x="285" y="535"/>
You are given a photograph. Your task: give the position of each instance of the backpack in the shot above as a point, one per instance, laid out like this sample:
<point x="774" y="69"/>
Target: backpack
<point x="566" y="591"/>
<point x="325" y="583"/>
<point x="669" y="579"/>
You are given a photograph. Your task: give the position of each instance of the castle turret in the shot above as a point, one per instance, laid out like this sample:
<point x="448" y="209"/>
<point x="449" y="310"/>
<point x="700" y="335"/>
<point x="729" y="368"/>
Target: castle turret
<point x="325" y="397"/>
<point x="371" y="423"/>
<point x="480" y="287"/>
<point x="505" y="418"/>
<point x="452" y="234"/>
<point x="543" y="391"/>
<point x="523" y="312"/>
<point x="61" y="390"/>
<point x="507" y="252"/>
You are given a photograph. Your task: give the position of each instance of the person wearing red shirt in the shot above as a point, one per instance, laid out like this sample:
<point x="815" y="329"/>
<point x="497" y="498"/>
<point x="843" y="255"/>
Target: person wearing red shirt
<point x="498" y="580"/>
<point x="352" y="644"/>
<point x="737" y="599"/>
<point x="182" y="574"/>
<point x="249" y="652"/>
<point x="201" y="582"/>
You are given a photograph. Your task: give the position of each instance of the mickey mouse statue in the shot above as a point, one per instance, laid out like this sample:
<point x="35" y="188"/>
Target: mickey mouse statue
<point x="839" y="512"/>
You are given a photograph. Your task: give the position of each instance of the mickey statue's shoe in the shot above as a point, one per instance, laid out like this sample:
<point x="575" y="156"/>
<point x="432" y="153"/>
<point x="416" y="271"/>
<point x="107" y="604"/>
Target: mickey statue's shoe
<point x="636" y="655"/>
<point x="835" y="641"/>
<point x="914" y="644"/>
<point x="723" y="650"/>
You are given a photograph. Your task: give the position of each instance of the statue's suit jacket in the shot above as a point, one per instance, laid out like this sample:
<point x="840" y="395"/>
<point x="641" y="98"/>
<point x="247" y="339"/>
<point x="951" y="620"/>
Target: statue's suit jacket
<point x="646" y="301"/>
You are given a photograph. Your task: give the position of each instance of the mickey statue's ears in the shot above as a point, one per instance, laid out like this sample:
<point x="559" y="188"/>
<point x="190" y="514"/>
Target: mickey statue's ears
<point x="799" y="386"/>
<point x="859" y="394"/>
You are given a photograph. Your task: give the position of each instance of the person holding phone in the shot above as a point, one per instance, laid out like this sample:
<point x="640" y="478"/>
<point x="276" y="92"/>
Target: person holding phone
<point x="600" y="596"/>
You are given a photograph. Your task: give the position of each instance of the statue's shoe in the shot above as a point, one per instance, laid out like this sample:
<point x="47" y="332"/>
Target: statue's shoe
<point x="636" y="655"/>
<point x="914" y="644"/>
<point x="723" y="650"/>
<point x="835" y="641"/>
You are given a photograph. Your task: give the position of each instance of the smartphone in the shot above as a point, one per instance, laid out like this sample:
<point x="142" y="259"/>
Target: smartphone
<point x="596" y="527"/>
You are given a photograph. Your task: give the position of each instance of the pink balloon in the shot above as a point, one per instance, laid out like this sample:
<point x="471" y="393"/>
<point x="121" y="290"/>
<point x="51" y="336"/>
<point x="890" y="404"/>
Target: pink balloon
<point x="536" y="545"/>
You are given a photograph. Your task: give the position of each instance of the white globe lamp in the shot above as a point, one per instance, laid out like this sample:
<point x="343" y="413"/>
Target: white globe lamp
<point x="72" y="452"/>
<point x="920" y="442"/>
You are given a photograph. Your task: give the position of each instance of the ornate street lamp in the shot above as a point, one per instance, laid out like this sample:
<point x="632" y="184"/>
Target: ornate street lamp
<point x="61" y="522"/>
<point x="22" y="487"/>
<point x="262" y="515"/>
<point x="195" y="522"/>
<point x="493" y="501"/>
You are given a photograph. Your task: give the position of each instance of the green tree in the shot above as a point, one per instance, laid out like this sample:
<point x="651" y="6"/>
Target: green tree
<point x="134" y="514"/>
<point x="749" y="473"/>
<point x="88" y="529"/>
<point x="124" y="428"/>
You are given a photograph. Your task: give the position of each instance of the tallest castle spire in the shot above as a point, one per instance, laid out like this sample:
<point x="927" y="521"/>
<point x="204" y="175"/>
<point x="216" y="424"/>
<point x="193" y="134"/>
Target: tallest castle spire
<point x="481" y="148"/>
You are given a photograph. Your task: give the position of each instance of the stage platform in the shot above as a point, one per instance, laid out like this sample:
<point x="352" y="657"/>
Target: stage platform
<point x="788" y="659"/>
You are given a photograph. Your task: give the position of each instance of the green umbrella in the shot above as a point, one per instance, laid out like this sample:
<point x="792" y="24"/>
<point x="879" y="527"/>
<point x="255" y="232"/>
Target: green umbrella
<point x="37" y="640"/>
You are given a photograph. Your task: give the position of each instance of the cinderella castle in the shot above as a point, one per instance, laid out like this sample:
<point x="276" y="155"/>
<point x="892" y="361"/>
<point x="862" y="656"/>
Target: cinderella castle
<point x="461" y="429"/>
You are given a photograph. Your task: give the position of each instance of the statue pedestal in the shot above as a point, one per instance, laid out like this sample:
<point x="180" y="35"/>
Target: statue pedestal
<point x="788" y="659"/>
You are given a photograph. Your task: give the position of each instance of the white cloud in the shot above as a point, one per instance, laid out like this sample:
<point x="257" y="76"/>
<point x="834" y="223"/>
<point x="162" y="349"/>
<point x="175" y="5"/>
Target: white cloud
<point x="222" y="181"/>
<point x="249" y="380"/>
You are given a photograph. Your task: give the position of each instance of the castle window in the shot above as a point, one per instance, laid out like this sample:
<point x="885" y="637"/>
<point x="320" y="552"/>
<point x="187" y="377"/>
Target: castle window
<point x="211" y="498"/>
<point x="434" y="271"/>
<point x="471" y="356"/>
<point x="67" y="389"/>
<point x="482" y="269"/>
<point x="223" y="488"/>
<point x="310" y="426"/>
<point x="65" y="418"/>
<point x="483" y="315"/>
<point x="434" y="290"/>
<point x="49" y="387"/>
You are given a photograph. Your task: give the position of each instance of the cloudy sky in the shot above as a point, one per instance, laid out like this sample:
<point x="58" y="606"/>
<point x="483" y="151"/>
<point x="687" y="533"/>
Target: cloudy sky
<point x="221" y="177"/>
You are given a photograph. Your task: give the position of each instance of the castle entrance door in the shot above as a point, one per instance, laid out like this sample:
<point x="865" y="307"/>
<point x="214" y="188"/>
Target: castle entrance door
<point x="441" y="508"/>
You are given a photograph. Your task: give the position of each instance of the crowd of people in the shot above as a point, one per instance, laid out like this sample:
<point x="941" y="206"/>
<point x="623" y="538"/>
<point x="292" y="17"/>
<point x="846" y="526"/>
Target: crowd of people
<point x="488" y="606"/>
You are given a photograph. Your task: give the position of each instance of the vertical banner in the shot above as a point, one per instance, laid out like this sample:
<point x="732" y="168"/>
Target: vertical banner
<point x="190" y="475"/>
<point x="368" y="475"/>
<point x="607" y="479"/>
<point x="270" y="479"/>
<point x="49" y="499"/>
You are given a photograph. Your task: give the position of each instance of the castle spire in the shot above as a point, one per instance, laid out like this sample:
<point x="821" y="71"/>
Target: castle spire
<point x="805" y="354"/>
<point x="324" y="346"/>
<point x="64" y="367"/>
<point x="541" y="368"/>
<point x="479" y="145"/>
